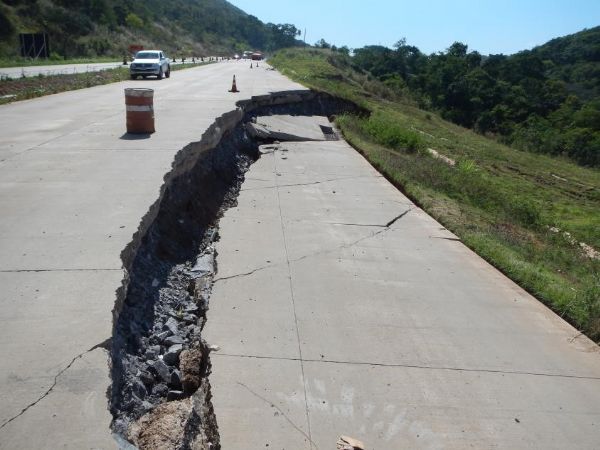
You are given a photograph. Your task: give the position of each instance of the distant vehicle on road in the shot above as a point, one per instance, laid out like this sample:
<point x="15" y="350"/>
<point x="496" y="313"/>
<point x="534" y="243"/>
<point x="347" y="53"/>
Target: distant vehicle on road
<point x="150" y="62"/>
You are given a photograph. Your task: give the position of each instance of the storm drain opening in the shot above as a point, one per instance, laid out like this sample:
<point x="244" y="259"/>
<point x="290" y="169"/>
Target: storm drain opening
<point x="329" y="133"/>
<point x="160" y="365"/>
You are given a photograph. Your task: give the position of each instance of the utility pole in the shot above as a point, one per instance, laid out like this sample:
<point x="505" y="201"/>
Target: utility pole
<point x="305" y="37"/>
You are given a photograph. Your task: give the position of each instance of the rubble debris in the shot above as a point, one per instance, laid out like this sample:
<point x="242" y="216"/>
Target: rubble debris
<point x="163" y="428"/>
<point x="190" y="364"/>
<point x="443" y="158"/>
<point x="348" y="443"/>
<point x="291" y="128"/>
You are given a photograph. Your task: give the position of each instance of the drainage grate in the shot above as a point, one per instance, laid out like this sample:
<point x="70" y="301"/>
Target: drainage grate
<point x="329" y="134"/>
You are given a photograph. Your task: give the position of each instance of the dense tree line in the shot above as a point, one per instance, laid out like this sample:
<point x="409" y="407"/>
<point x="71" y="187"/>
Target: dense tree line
<point x="544" y="100"/>
<point x="89" y="27"/>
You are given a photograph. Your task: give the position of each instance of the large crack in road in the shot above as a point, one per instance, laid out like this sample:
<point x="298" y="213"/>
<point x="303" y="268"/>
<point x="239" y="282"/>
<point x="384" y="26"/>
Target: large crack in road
<point x="160" y="395"/>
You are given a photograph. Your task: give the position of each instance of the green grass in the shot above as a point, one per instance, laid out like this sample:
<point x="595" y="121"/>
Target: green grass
<point x="500" y="201"/>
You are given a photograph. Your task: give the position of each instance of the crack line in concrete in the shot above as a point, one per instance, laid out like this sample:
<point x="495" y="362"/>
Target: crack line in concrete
<point x="312" y="183"/>
<point x="358" y="241"/>
<point x="273" y="405"/>
<point x="416" y="366"/>
<point x="246" y="274"/>
<point x="105" y="345"/>
<point x="445" y="238"/>
<point x="322" y="252"/>
<point x="287" y="257"/>
<point x="397" y="218"/>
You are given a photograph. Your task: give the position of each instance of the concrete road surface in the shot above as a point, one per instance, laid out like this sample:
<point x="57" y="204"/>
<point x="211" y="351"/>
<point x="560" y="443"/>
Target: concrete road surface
<point x="73" y="189"/>
<point x="62" y="69"/>
<point x="341" y="308"/>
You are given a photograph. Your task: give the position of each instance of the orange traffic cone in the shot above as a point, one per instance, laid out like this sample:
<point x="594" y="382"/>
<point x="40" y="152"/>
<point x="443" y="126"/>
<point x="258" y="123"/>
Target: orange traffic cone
<point x="234" y="88"/>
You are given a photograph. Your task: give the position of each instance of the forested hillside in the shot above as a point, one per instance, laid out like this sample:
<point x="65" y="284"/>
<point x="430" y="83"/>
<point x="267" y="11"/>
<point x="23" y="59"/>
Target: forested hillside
<point x="87" y="28"/>
<point x="543" y="100"/>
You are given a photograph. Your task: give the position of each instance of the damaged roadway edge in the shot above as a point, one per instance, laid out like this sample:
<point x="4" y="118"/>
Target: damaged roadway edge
<point x="160" y="395"/>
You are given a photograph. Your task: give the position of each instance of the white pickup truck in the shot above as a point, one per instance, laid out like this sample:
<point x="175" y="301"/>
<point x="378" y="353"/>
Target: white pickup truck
<point x="150" y="62"/>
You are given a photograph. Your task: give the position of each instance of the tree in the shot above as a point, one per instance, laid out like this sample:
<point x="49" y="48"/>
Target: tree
<point x="458" y="49"/>
<point x="322" y="43"/>
<point x="133" y="21"/>
<point x="282" y="35"/>
<point x="7" y="29"/>
<point x="344" y="50"/>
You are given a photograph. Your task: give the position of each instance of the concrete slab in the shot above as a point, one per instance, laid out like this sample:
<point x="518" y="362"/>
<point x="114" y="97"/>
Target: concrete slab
<point x="394" y="407"/>
<point x="290" y="128"/>
<point x="249" y="301"/>
<point x="406" y="338"/>
<point x="73" y="190"/>
<point x="265" y="391"/>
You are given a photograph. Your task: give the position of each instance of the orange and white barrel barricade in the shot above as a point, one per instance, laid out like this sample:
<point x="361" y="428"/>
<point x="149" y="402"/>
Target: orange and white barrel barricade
<point x="140" y="110"/>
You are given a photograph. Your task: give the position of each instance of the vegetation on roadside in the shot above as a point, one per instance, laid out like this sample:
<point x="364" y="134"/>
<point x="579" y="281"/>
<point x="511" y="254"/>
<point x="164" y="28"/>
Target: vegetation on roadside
<point x="544" y="100"/>
<point x="93" y="28"/>
<point x="535" y="217"/>
<point x="12" y="90"/>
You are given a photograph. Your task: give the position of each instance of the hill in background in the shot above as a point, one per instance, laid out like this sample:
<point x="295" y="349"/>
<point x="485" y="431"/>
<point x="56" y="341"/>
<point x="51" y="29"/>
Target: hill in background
<point x="545" y="100"/>
<point x="90" y="28"/>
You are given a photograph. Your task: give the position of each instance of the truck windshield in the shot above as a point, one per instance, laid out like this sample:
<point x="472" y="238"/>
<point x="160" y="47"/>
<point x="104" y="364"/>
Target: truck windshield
<point x="147" y="55"/>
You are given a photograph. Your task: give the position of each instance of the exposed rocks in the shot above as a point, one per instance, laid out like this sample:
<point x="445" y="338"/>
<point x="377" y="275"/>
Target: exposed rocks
<point x="161" y="369"/>
<point x="171" y="357"/>
<point x="170" y="283"/>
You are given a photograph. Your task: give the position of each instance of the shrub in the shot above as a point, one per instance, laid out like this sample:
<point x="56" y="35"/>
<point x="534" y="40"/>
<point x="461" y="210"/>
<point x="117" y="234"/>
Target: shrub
<point x="525" y="212"/>
<point x="385" y="131"/>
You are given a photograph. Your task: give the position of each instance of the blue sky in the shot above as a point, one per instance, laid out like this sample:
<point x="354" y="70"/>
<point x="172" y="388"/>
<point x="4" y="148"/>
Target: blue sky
<point x="500" y="26"/>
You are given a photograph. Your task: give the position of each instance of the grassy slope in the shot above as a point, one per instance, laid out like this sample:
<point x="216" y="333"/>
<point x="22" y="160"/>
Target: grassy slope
<point x="500" y="201"/>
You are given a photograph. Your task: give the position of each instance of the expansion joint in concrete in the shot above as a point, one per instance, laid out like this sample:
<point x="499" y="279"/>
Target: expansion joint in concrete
<point x="295" y="314"/>
<point x="415" y="366"/>
<point x="310" y="183"/>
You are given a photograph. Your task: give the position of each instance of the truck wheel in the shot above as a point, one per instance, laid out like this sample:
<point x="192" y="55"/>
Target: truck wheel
<point x="168" y="74"/>
<point x="160" y="74"/>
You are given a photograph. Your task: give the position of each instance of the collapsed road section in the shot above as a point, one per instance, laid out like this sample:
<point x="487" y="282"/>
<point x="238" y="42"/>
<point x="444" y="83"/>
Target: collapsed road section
<point x="160" y="395"/>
